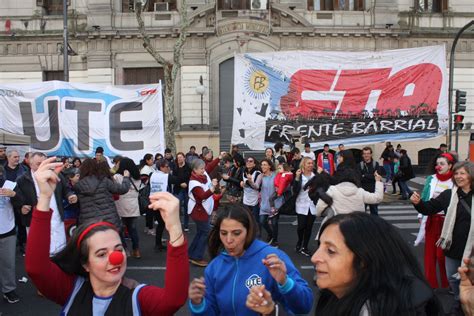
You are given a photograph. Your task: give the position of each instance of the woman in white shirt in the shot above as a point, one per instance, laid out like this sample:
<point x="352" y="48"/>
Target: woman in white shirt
<point x="304" y="206"/>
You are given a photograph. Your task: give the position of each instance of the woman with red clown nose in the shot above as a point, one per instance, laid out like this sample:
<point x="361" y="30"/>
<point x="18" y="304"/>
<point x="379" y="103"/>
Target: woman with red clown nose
<point x="87" y="276"/>
<point x="432" y="225"/>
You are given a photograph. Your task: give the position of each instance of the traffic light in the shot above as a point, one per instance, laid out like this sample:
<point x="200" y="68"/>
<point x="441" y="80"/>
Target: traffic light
<point x="460" y="101"/>
<point x="458" y="124"/>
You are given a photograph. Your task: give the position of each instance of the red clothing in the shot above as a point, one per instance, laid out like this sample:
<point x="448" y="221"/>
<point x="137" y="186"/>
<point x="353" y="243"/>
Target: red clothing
<point x="320" y="162"/>
<point x="282" y="181"/>
<point x="153" y="300"/>
<point x="211" y="165"/>
<point x="433" y="254"/>
<point x="199" y="196"/>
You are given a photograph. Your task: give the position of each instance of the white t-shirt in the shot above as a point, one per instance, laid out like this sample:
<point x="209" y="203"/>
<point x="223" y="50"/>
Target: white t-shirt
<point x="310" y="155"/>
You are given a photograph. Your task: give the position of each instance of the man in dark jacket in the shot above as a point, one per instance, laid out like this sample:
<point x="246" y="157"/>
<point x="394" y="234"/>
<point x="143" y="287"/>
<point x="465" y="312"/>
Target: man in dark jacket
<point x="368" y="166"/>
<point x="405" y="173"/>
<point x="13" y="168"/>
<point x="26" y="199"/>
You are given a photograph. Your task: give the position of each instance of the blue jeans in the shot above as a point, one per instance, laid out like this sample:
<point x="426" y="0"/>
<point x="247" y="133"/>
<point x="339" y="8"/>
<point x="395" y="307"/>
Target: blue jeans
<point x="452" y="266"/>
<point x="374" y="209"/>
<point x="183" y="198"/>
<point x="131" y="224"/>
<point x="255" y="210"/>
<point x="199" y="243"/>
<point x="388" y="171"/>
<point x="405" y="189"/>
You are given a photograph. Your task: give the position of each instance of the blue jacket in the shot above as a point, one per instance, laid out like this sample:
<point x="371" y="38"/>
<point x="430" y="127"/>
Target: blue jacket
<point x="228" y="280"/>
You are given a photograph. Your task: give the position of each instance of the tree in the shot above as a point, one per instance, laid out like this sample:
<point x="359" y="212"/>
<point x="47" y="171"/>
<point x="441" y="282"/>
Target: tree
<point x="170" y="68"/>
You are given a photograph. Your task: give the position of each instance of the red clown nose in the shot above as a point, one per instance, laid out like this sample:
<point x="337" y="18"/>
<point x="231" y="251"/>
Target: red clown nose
<point x="116" y="258"/>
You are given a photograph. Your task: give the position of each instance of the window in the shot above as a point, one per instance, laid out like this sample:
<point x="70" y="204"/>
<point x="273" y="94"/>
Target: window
<point x="52" y="7"/>
<point x="339" y="5"/>
<point x="53" y="75"/>
<point x="143" y="75"/>
<point x="166" y="5"/>
<point x="431" y="6"/>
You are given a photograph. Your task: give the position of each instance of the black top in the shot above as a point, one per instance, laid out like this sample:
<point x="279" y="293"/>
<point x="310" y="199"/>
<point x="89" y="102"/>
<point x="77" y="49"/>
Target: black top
<point x="463" y="218"/>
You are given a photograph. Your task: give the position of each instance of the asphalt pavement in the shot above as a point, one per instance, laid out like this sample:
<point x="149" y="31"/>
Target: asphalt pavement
<point x="150" y="268"/>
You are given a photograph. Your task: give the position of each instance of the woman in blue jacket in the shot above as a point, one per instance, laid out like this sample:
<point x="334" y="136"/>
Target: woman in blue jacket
<point x="241" y="262"/>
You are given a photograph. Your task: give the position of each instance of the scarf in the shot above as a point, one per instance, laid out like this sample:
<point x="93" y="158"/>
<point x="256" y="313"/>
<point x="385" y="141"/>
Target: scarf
<point x="195" y="176"/>
<point x="444" y="177"/>
<point x="446" y="238"/>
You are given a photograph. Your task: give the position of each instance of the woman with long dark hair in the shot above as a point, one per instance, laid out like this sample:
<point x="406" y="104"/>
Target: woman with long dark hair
<point x="95" y="191"/>
<point x="457" y="233"/>
<point x="233" y="179"/>
<point x="146" y="165"/>
<point x="251" y="181"/>
<point x="127" y="205"/>
<point x="346" y="193"/>
<point x="87" y="276"/>
<point x="242" y="262"/>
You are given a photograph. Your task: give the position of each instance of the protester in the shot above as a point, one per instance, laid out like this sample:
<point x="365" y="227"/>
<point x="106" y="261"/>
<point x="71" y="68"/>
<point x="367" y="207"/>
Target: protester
<point x="26" y="198"/>
<point x="96" y="190"/>
<point x="307" y="152"/>
<point x="367" y="168"/>
<point x="305" y="208"/>
<point x="162" y="181"/>
<point x="89" y="273"/>
<point x="347" y="195"/>
<point x="279" y="153"/>
<point x="3" y="156"/>
<point x="116" y="163"/>
<point x="240" y="262"/>
<point x="183" y="171"/>
<point x="127" y="204"/>
<point x="431" y="226"/>
<point x="170" y="159"/>
<point x="76" y="162"/>
<point x="233" y="179"/>
<point x="457" y="234"/>
<point x="251" y="181"/>
<point x="387" y="160"/>
<point x="364" y="267"/>
<point x="200" y="207"/>
<point x="283" y="180"/>
<point x="212" y="164"/>
<point x="296" y="160"/>
<point x="191" y="155"/>
<point x="234" y="150"/>
<point x="396" y="174"/>
<point x="7" y="243"/>
<point x="267" y="206"/>
<point x="13" y="168"/>
<point x="405" y="173"/>
<point x="341" y="149"/>
<point x="26" y="160"/>
<point x="158" y="157"/>
<point x="325" y="160"/>
<point x="146" y="165"/>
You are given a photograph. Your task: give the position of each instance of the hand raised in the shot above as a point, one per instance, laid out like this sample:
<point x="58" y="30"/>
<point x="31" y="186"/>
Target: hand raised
<point x="415" y="198"/>
<point x="47" y="176"/>
<point x="276" y="267"/>
<point x="197" y="290"/>
<point x="168" y="205"/>
<point x="260" y="300"/>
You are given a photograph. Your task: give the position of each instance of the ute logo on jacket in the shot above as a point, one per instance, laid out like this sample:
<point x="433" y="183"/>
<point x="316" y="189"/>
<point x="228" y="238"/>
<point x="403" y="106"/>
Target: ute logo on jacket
<point x="253" y="280"/>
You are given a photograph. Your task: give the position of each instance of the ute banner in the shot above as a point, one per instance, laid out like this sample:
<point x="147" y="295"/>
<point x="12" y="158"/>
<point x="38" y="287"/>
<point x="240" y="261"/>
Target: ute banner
<point x="339" y="97"/>
<point x="72" y="119"/>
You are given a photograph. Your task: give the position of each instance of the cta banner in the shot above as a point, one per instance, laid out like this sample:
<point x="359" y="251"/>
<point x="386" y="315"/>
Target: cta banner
<point x="72" y="119"/>
<point x="339" y="97"/>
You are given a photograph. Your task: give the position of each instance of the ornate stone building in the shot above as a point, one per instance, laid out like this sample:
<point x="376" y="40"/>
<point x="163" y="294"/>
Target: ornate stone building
<point x="108" y="48"/>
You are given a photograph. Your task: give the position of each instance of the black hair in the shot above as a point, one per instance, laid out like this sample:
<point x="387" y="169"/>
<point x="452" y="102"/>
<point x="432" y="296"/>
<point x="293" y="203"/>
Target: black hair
<point x="99" y="150"/>
<point x="71" y="258"/>
<point x="385" y="269"/>
<point x="158" y="156"/>
<point x="278" y="146"/>
<point x="239" y="159"/>
<point x="192" y="147"/>
<point x="269" y="162"/>
<point x="317" y="187"/>
<point x="117" y="158"/>
<point x="167" y="151"/>
<point x="129" y="164"/>
<point x="76" y="159"/>
<point x="307" y="145"/>
<point x="145" y="158"/>
<point x="240" y="214"/>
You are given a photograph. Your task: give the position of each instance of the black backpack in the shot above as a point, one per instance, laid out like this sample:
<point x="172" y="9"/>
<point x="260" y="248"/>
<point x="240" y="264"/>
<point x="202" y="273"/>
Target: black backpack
<point x="143" y="197"/>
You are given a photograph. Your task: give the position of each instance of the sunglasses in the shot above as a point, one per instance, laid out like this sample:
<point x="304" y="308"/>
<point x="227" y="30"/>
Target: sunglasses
<point x="250" y="160"/>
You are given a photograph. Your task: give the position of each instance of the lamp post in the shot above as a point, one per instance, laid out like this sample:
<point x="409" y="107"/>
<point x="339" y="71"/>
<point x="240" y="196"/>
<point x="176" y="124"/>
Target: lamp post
<point x="65" y="42"/>
<point x="201" y="89"/>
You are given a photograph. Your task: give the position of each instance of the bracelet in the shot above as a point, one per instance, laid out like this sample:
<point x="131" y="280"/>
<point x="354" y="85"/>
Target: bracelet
<point x="180" y="235"/>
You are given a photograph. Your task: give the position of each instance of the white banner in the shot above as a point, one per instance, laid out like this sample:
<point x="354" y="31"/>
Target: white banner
<point x="339" y="97"/>
<point x="72" y="119"/>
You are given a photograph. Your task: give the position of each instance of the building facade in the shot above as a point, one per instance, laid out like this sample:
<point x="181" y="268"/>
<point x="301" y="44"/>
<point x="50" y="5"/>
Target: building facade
<point x="103" y="34"/>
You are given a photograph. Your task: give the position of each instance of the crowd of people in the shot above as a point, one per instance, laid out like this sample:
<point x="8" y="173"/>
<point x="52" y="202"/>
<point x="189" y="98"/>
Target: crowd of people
<point x="362" y="265"/>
